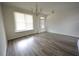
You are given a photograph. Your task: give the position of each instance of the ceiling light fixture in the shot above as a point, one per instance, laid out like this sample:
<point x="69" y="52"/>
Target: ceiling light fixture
<point x="37" y="11"/>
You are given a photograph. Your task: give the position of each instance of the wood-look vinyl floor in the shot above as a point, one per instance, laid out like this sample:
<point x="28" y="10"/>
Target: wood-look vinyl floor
<point x="43" y="44"/>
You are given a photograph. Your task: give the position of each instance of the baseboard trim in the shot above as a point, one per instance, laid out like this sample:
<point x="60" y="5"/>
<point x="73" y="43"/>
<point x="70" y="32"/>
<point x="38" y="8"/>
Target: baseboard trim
<point x="64" y="34"/>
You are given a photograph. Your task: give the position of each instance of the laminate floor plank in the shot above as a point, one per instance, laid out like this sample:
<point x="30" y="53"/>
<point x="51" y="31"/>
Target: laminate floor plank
<point x="43" y="44"/>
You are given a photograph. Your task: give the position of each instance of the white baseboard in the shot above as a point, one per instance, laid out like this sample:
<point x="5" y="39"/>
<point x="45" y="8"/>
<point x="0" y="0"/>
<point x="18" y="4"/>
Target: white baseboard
<point x="64" y="34"/>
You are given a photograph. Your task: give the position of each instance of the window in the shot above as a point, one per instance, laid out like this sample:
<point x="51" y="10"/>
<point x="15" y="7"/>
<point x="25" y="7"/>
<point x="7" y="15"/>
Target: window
<point x="42" y="23"/>
<point x="23" y="22"/>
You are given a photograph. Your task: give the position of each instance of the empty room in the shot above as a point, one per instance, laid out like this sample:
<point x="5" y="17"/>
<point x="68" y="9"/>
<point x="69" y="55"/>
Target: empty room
<point x="39" y="29"/>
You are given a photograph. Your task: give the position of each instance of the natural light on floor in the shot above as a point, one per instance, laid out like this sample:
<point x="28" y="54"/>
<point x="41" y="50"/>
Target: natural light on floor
<point x="25" y="43"/>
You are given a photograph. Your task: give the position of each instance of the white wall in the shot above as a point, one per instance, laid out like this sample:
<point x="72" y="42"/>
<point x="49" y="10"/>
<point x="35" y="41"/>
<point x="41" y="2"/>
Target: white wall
<point x="10" y="24"/>
<point x="64" y="21"/>
<point x="2" y="36"/>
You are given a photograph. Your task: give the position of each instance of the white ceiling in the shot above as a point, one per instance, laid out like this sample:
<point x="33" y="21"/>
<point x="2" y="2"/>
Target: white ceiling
<point x="45" y="6"/>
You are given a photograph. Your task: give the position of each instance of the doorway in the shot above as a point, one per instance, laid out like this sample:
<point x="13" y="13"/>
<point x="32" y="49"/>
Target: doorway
<point x="42" y="24"/>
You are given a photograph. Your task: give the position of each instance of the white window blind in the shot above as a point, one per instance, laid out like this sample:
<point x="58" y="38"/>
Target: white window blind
<point x="23" y="22"/>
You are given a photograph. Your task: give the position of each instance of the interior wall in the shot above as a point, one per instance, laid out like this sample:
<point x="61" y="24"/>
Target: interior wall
<point x="2" y="35"/>
<point x="64" y="21"/>
<point x="10" y="23"/>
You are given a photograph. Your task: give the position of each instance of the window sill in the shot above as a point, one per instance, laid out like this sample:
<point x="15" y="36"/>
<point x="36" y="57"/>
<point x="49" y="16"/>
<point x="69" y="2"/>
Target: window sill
<point x="23" y="31"/>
